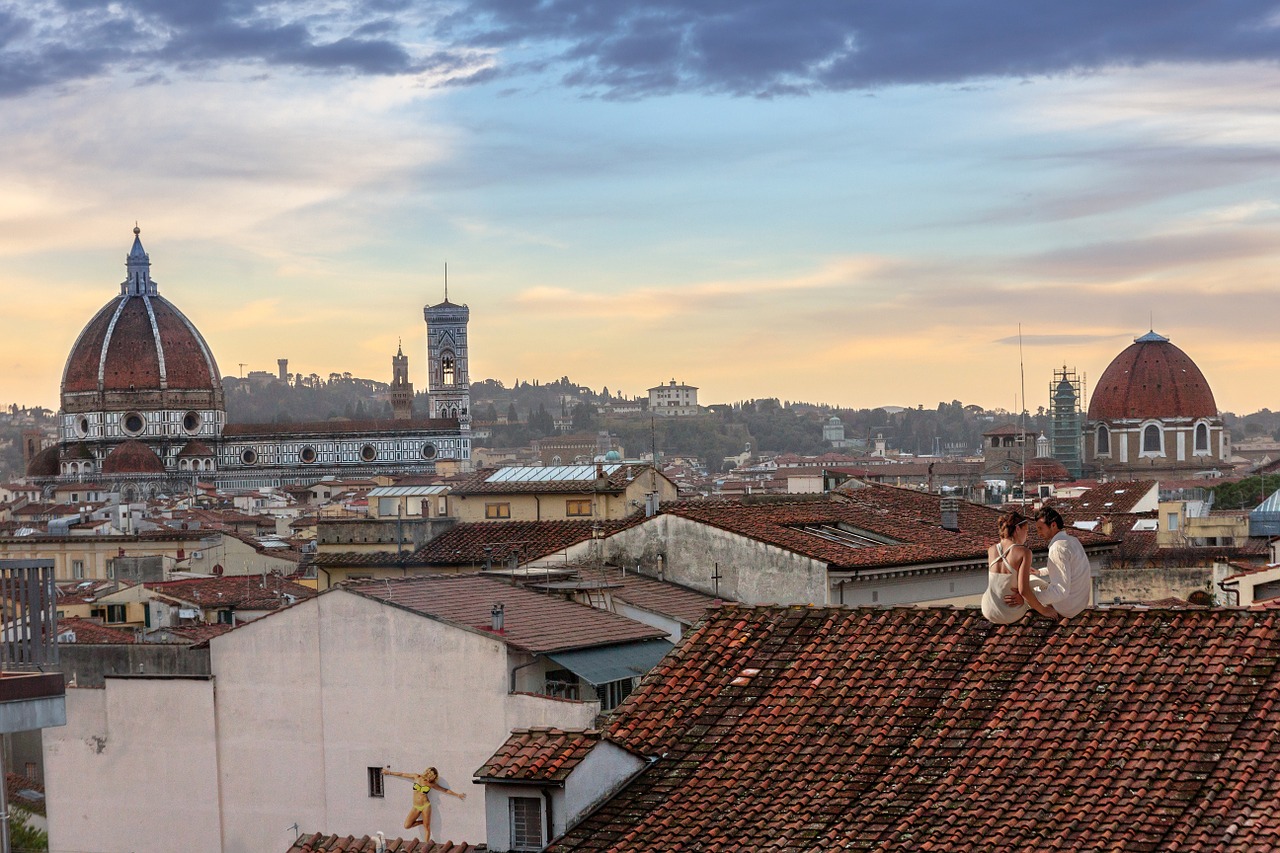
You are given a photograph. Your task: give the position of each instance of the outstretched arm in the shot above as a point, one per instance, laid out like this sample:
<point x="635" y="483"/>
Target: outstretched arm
<point x="387" y="771"/>
<point x="437" y="786"/>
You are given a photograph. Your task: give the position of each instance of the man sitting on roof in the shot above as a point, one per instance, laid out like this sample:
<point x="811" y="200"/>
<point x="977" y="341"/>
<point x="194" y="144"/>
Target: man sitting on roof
<point x="1070" y="584"/>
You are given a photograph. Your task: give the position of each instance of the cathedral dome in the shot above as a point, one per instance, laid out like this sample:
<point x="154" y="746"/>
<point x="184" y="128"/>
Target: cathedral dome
<point x="132" y="457"/>
<point x="1152" y="379"/>
<point x="44" y="463"/>
<point x="140" y="351"/>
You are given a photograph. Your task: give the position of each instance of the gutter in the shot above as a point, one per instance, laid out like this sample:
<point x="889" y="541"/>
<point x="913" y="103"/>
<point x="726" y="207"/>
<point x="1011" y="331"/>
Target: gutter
<point x="536" y="659"/>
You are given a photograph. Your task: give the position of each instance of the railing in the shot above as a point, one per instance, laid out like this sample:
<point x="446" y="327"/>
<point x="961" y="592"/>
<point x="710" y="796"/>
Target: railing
<point x="29" y="600"/>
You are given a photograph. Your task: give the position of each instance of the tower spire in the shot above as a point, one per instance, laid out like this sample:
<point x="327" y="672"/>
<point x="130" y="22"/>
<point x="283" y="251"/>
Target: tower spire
<point x="446" y="281"/>
<point x="138" y="266"/>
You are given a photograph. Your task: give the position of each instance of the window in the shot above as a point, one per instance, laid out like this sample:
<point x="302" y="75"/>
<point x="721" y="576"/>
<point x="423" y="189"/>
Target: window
<point x="612" y="694"/>
<point x="1152" y="440"/>
<point x="1173" y="521"/>
<point x="77" y="569"/>
<point x="368" y="453"/>
<point x="375" y="782"/>
<point x="191" y="422"/>
<point x="1202" y="438"/>
<point x="447" y="368"/>
<point x="116" y="613"/>
<point x="577" y="507"/>
<point x="307" y="454"/>
<point x="226" y="617"/>
<point x="248" y="456"/>
<point x="1104" y="441"/>
<point x="526" y="823"/>
<point x="133" y="423"/>
<point x="428" y="451"/>
<point x="497" y="510"/>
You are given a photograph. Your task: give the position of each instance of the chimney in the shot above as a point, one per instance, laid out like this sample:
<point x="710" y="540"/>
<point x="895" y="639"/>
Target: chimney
<point x="498" y="617"/>
<point x="488" y="558"/>
<point x="950" y="513"/>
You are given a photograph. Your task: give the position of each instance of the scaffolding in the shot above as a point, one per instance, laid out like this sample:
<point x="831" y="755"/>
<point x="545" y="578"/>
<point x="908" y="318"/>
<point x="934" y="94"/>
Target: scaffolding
<point x="1065" y="394"/>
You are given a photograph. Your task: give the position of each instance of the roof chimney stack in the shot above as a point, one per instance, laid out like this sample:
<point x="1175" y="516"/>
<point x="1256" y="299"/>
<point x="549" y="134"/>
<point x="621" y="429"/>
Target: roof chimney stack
<point x="498" y="617"/>
<point x="950" y="514"/>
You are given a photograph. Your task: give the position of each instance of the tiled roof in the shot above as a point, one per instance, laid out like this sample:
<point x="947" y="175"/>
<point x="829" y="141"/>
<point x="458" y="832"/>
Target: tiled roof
<point x="90" y="631"/>
<point x="1152" y="378"/>
<point x="911" y="520"/>
<point x="321" y="843"/>
<point x="1121" y="496"/>
<point x="533" y="622"/>
<point x="464" y="544"/>
<point x="15" y="784"/>
<point x="250" y="592"/>
<point x="200" y="633"/>
<point x="661" y="597"/>
<point x="539" y="755"/>
<point x="930" y="729"/>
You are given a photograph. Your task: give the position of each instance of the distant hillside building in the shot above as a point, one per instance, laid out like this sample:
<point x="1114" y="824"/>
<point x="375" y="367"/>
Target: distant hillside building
<point x="673" y="400"/>
<point x="1153" y="412"/>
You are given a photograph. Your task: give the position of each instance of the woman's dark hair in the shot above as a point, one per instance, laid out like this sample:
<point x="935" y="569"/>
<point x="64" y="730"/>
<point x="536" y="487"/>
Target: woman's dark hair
<point x="1009" y="522"/>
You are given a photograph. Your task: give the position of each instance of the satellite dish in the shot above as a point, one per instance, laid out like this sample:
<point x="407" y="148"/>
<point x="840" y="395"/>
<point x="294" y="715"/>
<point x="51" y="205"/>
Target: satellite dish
<point x="217" y="570"/>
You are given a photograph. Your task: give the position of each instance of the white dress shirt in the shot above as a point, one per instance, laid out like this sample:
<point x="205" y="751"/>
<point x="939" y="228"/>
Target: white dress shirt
<point x="1070" y="585"/>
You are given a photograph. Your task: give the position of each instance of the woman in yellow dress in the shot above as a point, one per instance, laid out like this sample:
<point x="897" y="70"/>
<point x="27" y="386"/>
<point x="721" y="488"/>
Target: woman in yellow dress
<point x="423" y="783"/>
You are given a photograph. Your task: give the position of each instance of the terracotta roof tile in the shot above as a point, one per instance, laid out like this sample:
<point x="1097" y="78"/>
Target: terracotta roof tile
<point x="801" y="729"/>
<point x="92" y="631"/>
<point x="905" y="527"/>
<point x="250" y="592"/>
<point x="533" y="622"/>
<point x="539" y="755"/>
<point x="464" y="544"/>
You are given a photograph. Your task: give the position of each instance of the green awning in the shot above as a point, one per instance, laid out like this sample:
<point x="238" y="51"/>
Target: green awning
<point x="612" y="663"/>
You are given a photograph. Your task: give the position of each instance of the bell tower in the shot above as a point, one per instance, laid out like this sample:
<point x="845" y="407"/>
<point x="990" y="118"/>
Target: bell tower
<point x="401" y="387"/>
<point x="447" y="379"/>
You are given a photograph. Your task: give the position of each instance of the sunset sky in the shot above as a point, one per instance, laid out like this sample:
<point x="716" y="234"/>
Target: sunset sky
<point x="833" y="201"/>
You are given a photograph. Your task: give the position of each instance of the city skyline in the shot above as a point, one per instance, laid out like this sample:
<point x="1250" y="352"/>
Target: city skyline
<point x="842" y="204"/>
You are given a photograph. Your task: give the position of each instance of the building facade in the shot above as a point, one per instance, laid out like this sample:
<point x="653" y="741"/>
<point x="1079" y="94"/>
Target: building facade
<point x="143" y="410"/>
<point x="673" y="400"/>
<point x="1153" y="413"/>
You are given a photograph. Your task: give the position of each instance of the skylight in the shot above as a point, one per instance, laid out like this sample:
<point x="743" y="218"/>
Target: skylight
<point x="554" y="473"/>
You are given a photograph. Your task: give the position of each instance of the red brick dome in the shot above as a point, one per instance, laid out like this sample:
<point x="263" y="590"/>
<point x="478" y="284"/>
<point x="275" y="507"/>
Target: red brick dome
<point x="132" y="457"/>
<point x="140" y="344"/>
<point x="45" y="463"/>
<point x="1152" y="379"/>
<point x="1046" y="469"/>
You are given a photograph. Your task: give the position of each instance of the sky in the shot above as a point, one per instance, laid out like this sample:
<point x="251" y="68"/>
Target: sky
<point x="834" y="201"/>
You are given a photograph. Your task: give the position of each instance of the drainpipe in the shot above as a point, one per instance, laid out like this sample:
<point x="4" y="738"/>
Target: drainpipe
<point x="537" y="503"/>
<point x="546" y="795"/>
<point x="517" y="669"/>
<point x="1231" y="588"/>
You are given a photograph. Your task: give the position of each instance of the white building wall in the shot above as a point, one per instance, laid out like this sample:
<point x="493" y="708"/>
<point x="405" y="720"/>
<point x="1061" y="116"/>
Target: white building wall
<point x="135" y="769"/>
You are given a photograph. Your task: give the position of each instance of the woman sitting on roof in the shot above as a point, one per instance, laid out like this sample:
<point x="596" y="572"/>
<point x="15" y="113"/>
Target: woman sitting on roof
<point x="1009" y="569"/>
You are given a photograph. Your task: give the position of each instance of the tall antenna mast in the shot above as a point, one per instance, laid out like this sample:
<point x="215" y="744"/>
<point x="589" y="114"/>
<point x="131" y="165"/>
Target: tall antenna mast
<point x="1022" y="437"/>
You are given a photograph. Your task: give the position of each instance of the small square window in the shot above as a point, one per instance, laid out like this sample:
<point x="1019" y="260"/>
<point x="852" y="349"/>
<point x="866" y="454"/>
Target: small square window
<point x="497" y="510"/>
<point x="526" y="823"/>
<point x="375" y="782"/>
<point x="577" y="508"/>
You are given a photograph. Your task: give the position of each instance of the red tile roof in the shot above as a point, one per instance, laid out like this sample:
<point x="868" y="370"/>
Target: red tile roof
<point x="321" y="843"/>
<point x="464" y="544"/>
<point x="535" y="623"/>
<point x="1105" y="499"/>
<point x="539" y="755"/>
<point x="249" y="592"/>
<point x="1152" y="378"/>
<point x="801" y="729"/>
<point x="92" y="631"/>
<point x="908" y="519"/>
<point x="661" y="597"/>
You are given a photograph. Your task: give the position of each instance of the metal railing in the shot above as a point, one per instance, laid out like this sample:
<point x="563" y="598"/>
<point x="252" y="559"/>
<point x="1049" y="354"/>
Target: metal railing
<point x="28" y="597"/>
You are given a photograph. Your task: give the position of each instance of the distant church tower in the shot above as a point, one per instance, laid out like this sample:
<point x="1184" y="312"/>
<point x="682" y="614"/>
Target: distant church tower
<point x="401" y="387"/>
<point x="447" y="380"/>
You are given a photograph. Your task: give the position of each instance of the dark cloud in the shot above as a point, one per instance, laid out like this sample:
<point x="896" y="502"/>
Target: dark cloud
<point x="771" y="47"/>
<point x="65" y="40"/>
<point x="764" y="48"/>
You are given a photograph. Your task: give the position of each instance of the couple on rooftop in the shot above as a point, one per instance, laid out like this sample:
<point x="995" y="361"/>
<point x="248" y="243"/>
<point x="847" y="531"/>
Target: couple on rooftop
<point x="1058" y="591"/>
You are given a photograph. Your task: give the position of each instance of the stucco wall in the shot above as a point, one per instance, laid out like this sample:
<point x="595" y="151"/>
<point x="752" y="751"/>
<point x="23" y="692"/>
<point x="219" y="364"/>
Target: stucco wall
<point x="603" y="771"/>
<point x="750" y="571"/>
<point x="1149" y="584"/>
<point x="135" y="769"/>
<point x="87" y="663"/>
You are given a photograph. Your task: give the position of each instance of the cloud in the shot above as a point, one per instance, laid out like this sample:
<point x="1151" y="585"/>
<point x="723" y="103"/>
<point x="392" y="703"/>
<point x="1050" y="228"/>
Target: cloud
<point x="777" y="47"/>
<point x="764" y="48"/>
<point x="1057" y="340"/>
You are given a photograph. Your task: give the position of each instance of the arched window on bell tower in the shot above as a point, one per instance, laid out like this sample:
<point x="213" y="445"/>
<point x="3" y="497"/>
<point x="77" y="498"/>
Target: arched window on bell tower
<point x="448" y="370"/>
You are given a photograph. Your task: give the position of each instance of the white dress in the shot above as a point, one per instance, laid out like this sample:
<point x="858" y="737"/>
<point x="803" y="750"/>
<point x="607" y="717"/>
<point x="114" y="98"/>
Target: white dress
<point x="1000" y="584"/>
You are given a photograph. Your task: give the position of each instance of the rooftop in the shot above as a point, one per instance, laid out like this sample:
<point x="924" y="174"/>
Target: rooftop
<point x="803" y="728"/>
